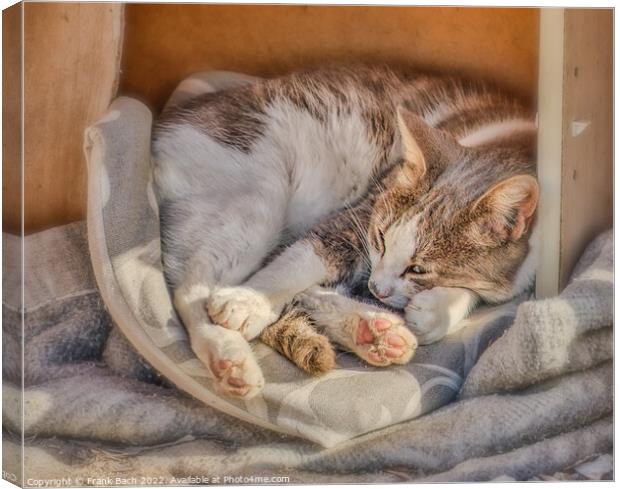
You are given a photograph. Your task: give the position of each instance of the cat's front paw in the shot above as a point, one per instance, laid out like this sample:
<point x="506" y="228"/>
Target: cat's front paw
<point x="381" y="338"/>
<point x="432" y="314"/>
<point x="242" y="309"/>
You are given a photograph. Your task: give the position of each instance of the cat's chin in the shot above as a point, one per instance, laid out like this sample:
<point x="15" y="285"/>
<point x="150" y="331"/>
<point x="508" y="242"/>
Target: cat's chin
<point x="396" y="302"/>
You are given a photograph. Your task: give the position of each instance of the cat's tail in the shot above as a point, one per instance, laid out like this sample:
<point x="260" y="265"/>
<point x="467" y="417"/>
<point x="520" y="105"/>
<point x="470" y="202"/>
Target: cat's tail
<point x="294" y="336"/>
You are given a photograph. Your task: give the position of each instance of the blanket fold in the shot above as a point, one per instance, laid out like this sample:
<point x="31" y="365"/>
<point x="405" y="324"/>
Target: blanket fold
<point x="538" y="400"/>
<point x="567" y="333"/>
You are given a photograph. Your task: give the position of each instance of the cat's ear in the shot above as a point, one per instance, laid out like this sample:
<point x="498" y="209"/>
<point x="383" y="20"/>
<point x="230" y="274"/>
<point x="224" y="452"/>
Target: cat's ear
<point x="506" y="210"/>
<point x="423" y="147"/>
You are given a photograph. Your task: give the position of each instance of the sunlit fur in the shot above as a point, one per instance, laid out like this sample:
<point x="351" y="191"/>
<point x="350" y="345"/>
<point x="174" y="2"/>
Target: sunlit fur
<point x="456" y="239"/>
<point x="343" y="161"/>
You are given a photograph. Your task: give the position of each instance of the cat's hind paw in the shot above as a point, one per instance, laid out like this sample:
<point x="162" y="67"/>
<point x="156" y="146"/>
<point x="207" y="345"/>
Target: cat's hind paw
<point x="237" y="378"/>
<point x="381" y="339"/>
<point x="231" y="362"/>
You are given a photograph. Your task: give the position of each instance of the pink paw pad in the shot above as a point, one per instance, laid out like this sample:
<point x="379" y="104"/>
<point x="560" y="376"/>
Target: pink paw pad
<point x="382" y="346"/>
<point x="222" y="370"/>
<point x="365" y="335"/>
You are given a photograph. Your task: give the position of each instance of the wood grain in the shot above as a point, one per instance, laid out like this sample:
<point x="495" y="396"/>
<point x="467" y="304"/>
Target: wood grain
<point x="11" y="119"/>
<point x="587" y="167"/>
<point x="71" y="66"/>
<point x="165" y="43"/>
<point x="72" y="56"/>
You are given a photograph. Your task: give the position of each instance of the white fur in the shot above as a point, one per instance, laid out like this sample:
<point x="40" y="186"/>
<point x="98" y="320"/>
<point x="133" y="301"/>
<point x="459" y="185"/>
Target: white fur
<point x="318" y="166"/>
<point x="188" y="160"/>
<point x="441" y="112"/>
<point x="212" y="343"/>
<point x="194" y="86"/>
<point x="400" y="244"/>
<point x="436" y="312"/>
<point x="328" y="163"/>
<point x="231" y="211"/>
<point x="490" y="132"/>
<point x="290" y="272"/>
<point x="231" y="217"/>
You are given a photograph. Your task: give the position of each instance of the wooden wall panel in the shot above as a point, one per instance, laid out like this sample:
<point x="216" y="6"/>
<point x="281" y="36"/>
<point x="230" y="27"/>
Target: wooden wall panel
<point x="12" y="460"/>
<point x="72" y="56"/>
<point x="587" y="163"/>
<point x="71" y="65"/>
<point x="550" y="135"/>
<point x="165" y="43"/>
<point x="575" y="141"/>
<point x="11" y="119"/>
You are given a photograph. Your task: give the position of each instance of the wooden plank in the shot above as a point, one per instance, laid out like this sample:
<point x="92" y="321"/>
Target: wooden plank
<point x="587" y="172"/>
<point x="12" y="259"/>
<point x="165" y="43"/>
<point x="550" y="133"/>
<point x="11" y="118"/>
<point x="71" y="65"/>
<point x="72" y="61"/>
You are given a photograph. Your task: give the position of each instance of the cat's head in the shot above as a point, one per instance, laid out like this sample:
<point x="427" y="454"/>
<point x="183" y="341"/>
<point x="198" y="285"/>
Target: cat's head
<point x="450" y="216"/>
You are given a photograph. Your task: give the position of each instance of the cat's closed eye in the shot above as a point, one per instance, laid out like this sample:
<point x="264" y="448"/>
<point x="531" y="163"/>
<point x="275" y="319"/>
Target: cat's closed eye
<point x="415" y="270"/>
<point x="381" y="241"/>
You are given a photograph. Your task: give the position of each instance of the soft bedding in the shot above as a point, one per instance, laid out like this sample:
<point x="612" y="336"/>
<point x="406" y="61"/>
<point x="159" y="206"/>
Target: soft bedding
<point x="124" y="242"/>
<point x="523" y="391"/>
<point x="92" y="407"/>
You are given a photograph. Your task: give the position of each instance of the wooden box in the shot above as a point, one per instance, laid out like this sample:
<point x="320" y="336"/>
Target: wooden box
<point x="75" y="58"/>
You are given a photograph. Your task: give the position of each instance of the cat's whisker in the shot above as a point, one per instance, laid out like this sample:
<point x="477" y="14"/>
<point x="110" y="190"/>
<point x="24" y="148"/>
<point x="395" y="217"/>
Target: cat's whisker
<point x="360" y="231"/>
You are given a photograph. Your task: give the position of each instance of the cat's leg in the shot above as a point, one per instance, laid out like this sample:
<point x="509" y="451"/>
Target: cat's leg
<point x="295" y="337"/>
<point x="251" y="307"/>
<point x="376" y="335"/>
<point x="434" y="313"/>
<point x="227" y="355"/>
<point x="328" y="253"/>
<point x="220" y="246"/>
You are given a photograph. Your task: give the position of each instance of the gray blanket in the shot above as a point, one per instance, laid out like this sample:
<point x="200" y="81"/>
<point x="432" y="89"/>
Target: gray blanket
<point x="537" y="401"/>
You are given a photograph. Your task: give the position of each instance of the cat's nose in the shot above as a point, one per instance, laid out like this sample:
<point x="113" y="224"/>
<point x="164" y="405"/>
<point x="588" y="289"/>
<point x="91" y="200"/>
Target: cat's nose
<point x="378" y="292"/>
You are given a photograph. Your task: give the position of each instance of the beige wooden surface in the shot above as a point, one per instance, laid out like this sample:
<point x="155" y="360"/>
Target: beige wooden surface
<point x="165" y="43"/>
<point x="587" y="170"/>
<point x="71" y="65"/>
<point x="12" y="462"/>
<point x="575" y="150"/>
<point x="550" y="135"/>
<point x="71" y="56"/>
<point x="11" y="122"/>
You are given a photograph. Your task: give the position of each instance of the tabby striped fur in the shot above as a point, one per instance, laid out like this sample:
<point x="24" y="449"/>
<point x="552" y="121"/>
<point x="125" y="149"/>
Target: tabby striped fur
<point x="359" y="174"/>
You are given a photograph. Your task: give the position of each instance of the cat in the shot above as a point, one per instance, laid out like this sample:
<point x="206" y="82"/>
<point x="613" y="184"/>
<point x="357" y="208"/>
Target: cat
<point x="422" y="187"/>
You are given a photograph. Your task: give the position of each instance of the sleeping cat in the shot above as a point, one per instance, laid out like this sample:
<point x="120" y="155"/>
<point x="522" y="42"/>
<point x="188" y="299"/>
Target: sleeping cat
<point x="422" y="187"/>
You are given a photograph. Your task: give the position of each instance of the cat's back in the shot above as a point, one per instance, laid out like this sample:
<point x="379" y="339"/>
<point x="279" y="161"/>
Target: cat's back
<point x="322" y="133"/>
<point x="318" y="136"/>
<point x="359" y="96"/>
<point x="243" y="116"/>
